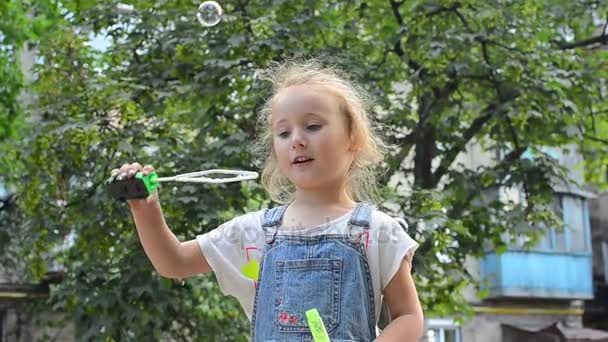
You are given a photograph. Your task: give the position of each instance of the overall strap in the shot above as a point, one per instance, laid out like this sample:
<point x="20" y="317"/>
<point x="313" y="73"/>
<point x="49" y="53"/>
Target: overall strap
<point x="272" y="220"/>
<point x="359" y="222"/>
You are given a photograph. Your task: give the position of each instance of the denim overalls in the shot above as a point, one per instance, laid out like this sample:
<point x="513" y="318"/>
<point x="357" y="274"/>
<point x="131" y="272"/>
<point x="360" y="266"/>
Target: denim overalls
<point x="329" y="273"/>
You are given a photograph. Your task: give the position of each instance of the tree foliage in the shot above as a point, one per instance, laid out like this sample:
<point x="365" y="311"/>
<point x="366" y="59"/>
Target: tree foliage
<point x="513" y="76"/>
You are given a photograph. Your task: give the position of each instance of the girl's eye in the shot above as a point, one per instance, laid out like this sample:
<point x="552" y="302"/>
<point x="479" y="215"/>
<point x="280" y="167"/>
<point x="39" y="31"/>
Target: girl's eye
<point x="284" y="134"/>
<point x="314" y="127"/>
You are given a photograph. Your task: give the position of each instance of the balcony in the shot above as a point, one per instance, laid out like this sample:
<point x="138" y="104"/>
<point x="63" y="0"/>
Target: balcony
<point x="559" y="266"/>
<point x="537" y="274"/>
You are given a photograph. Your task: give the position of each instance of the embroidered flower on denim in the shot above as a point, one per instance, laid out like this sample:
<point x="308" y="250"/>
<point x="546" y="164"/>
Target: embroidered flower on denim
<point x="286" y="318"/>
<point x="293" y="319"/>
<point x="283" y="317"/>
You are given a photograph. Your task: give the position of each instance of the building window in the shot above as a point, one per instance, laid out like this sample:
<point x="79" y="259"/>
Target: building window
<point x="573" y="211"/>
<point x="574" y="237"/>
<point x="442" y="330"/>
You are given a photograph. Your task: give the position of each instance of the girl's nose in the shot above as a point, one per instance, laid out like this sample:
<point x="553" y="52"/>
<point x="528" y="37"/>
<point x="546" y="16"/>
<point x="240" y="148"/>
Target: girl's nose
<point x="298" y="139"/>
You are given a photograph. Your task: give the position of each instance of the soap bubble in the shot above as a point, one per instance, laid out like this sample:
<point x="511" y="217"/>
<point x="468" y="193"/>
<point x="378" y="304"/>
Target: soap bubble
<point x="209" y="13"/>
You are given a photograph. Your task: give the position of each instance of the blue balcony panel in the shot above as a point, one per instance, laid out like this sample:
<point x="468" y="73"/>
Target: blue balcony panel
<point x="538" y="274"/>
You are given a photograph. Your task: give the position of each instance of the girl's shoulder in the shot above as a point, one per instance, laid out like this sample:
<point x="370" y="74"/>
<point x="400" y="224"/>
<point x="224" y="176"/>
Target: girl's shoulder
<point x="248" y="220"/>
<point x="383" y="221"/>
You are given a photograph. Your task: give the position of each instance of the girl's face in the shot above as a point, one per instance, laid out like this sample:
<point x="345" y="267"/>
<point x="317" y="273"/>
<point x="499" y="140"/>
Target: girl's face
<point x="307" y="124"/>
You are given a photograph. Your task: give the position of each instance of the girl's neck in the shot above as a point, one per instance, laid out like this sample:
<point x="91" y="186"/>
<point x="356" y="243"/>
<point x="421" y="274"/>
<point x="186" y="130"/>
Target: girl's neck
<point x="315" y="200"/>
<point x="311" y="208"/>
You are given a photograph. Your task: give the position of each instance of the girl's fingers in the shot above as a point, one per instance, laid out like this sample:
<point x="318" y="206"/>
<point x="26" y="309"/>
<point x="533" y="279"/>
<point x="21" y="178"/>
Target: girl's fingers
<point x="133" y="169"/>
<point x="124" y="168"/>
<point x="129" y="170"/>
<point x="147" y="169"/>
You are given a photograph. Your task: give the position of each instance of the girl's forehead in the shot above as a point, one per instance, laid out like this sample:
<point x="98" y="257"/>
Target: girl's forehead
<point x="303" y="99"/>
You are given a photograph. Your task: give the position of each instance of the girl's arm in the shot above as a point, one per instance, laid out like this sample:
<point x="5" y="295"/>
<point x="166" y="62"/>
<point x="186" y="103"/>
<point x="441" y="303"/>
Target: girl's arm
<point x="407" y="320"/>
<point x="170" y="257"/>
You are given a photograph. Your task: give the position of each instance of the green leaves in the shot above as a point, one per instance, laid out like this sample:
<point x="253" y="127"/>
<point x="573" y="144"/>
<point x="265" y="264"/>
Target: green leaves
<point x="448" y="79"/>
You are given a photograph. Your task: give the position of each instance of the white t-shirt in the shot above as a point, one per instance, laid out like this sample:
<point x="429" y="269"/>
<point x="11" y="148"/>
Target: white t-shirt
<point x="234" y="243"/>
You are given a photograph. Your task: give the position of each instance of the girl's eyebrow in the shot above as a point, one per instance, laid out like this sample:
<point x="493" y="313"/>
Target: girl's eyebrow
<point x="279" y="122"/>
<point x="314" y="114"/>
<point x="307" y="115"/>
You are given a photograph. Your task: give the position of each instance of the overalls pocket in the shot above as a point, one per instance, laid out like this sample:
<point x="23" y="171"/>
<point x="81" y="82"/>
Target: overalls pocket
<point x="305" y="284"/>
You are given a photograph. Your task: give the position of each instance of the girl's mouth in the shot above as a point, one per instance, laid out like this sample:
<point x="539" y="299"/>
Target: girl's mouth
<point x="303" y="162"/>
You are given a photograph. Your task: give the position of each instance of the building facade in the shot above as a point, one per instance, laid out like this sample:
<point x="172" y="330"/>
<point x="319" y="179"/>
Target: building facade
<point x="535" y="294"/>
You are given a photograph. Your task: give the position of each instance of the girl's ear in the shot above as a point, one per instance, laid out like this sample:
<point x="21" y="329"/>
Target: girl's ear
<point x="355" y="145"/>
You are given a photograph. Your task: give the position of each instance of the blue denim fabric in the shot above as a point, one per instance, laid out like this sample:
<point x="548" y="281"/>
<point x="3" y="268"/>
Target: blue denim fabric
<point x="329" y="273"/>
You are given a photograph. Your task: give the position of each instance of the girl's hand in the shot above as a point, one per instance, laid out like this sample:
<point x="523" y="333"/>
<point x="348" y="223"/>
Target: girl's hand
<point x="128" y="171"/>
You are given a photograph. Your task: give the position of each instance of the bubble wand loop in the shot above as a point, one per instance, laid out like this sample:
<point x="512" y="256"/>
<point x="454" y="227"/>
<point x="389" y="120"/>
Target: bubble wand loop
<point x="200" y="176"/>
<point x="140" y="186"/>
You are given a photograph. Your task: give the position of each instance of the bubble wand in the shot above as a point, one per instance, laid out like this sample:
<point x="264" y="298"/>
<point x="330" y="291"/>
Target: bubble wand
<point x="140" y="186"/>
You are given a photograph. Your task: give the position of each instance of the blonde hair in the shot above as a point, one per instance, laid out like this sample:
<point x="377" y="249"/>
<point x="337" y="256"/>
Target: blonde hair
<point x="361" y="184"/>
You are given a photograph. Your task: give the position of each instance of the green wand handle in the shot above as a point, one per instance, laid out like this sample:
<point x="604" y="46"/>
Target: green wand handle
<point x="317" y="328"/>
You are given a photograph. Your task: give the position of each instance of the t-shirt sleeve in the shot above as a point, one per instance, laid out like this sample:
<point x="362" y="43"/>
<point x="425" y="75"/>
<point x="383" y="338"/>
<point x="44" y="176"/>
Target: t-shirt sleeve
<point x="394" y="244"/>
<point x="228" y="248"/>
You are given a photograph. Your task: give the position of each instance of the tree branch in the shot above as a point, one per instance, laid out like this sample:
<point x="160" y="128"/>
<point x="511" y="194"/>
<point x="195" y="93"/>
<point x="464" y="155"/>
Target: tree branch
<point x="476" y="126"/>
<point x="520" y="150"/>
<point x="397" y="46"/>
<point x="596" y="139"/>
<point x="514" y="155"/>
<point x="601" y="39"/>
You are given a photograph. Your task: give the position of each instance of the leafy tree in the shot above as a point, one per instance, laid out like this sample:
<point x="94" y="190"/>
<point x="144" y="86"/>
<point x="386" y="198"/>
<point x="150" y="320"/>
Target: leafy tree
<point x="11" y="41"/>
<point x="513" y="76"/>
<point x="24" y="24"/>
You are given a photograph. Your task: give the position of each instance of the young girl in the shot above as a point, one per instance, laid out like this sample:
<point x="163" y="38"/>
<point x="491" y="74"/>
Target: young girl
<point x="325" y="248"/>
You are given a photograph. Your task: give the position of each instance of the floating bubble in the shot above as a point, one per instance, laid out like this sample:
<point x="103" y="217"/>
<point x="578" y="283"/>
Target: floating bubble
<point x="209" y="13"/>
